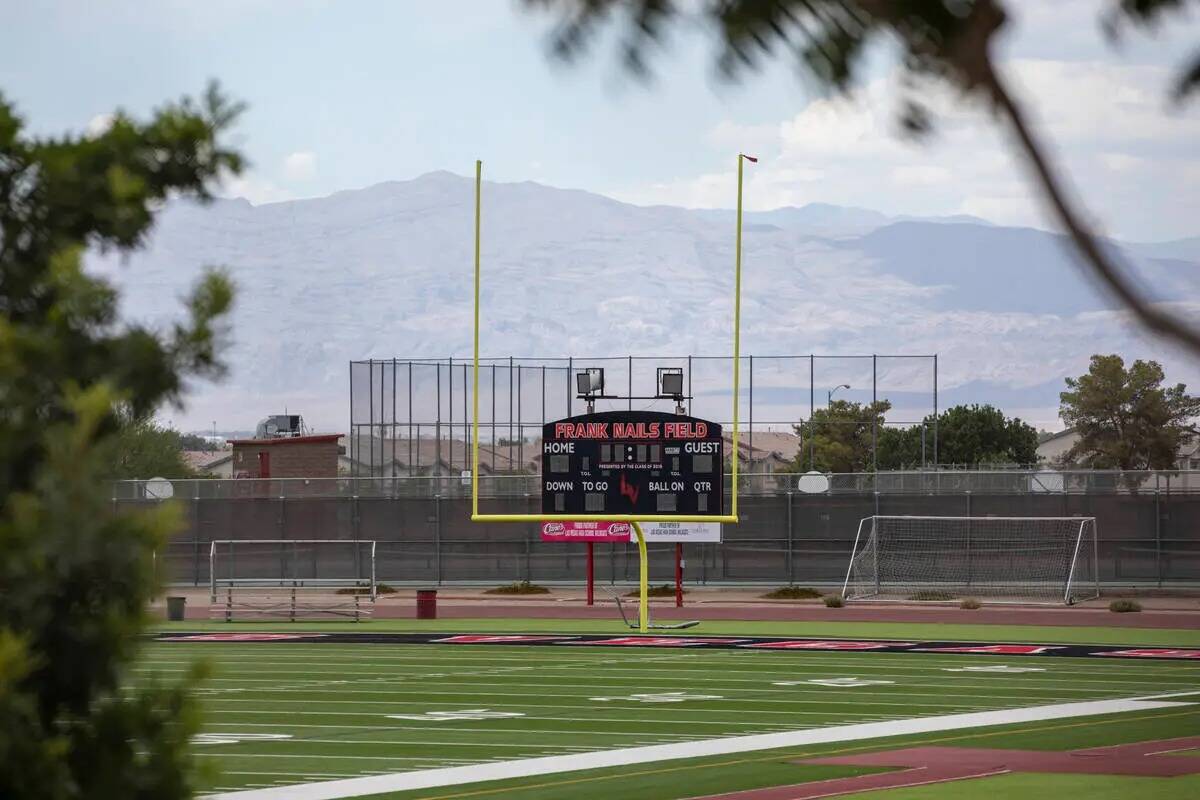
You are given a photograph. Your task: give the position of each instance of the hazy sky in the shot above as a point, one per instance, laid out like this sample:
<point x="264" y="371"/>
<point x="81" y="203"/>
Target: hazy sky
<point x="345" y="94"/>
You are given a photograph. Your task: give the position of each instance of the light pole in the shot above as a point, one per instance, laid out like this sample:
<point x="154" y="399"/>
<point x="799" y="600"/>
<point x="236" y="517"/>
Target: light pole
<point x="830" y="393"/>
<point x="812" y="453"/>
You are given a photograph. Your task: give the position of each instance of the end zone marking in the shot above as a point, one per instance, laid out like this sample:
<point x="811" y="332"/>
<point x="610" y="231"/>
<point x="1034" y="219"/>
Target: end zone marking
<point x="531" y="767"/>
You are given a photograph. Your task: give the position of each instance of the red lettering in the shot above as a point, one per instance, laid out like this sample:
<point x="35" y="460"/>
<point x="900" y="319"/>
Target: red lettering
<point x="808" y="644"/>
<point x="629" y="490"/>
<point x="659" y="641"/>
<point x="994" y="649"/>
<point x="686" y="430"/>
<point x="477" y="639"/>
<point x="1146" y="652"/>
<point x="239" y="637"/>
<point x="581" y="430"/>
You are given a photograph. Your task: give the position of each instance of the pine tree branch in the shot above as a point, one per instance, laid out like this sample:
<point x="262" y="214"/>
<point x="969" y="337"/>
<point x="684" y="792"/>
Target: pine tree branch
<point x="1101" y="266"/>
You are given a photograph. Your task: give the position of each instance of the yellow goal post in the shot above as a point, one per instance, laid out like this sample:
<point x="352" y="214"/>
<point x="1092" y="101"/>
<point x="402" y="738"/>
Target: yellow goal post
<point x="633" y="519"/>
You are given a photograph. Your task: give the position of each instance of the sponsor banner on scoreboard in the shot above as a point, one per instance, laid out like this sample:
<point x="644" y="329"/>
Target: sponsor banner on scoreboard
<point x="682" y="531"/>
<point x="556" y="531"/>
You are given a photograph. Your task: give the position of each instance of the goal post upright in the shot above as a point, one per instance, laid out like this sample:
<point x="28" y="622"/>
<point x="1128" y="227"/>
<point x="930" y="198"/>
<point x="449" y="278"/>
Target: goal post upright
<point x="633" y="519"/>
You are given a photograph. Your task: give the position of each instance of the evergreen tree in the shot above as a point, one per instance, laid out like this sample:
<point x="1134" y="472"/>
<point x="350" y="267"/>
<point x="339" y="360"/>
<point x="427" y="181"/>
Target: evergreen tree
<point x="1126" y="419"/>
<point x="76" y="576"/>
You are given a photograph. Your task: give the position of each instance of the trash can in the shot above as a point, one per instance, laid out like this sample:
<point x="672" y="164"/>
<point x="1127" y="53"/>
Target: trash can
<point x="175" y="608"/>
<point x="426" y="603"/>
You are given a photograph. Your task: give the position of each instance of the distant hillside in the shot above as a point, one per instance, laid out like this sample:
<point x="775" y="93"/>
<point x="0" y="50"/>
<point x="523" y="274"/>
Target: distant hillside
<point x="385" y="271"/>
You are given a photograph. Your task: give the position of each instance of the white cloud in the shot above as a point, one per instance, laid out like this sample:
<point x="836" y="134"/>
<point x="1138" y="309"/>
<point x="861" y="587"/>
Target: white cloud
<point x="1104" y="122"/>
<point x="99" y="124"/>
<point x="254" y="188"/>
<point x="920" y="174"/>
<point x="300" y="166"/>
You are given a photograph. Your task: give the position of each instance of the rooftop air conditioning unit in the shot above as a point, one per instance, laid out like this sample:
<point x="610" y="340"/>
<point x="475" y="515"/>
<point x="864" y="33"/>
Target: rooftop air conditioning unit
<point x="280" y="426"/>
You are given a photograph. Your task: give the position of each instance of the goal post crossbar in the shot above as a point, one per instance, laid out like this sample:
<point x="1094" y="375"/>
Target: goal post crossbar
<point x="1044" y="560"/>
<point x="634" y="520"/>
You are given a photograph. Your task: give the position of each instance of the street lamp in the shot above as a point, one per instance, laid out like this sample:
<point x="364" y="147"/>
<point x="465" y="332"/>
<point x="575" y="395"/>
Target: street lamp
<point x="829" y="394"/>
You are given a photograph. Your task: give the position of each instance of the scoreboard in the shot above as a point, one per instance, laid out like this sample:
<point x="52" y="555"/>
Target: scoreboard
<point x="633" y="462"/>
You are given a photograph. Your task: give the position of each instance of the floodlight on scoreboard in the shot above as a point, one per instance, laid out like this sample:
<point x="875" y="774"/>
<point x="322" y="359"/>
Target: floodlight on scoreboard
<point x="670" y="382"/>
<point x="590" y="382"/>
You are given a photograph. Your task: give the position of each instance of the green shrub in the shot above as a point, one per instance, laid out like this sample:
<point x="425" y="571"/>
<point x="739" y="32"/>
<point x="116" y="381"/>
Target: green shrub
<point x="793" y="593"/>
<point x="834" y="601"/>
<point x="930" y="596"/>
<point x="1124" y="606"/>
<point x="380" y="588"/>
<point x="970" y="603"/>
<point x="666" y="590"/>
<point x="519" y="587"/>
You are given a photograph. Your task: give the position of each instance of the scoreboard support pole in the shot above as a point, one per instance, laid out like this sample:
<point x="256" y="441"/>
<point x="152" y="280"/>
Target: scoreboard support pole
<point x="643" y="581"/>
<point x="679" y="574"/>
<point x="591" y="573"/>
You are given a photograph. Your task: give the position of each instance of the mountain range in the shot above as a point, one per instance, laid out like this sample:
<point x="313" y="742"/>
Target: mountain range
<point x="385" y="271"/>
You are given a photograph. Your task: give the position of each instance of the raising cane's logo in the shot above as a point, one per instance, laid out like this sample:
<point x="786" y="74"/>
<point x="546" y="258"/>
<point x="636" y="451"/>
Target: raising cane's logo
<point x="551" y="528"/>
<point x="618" y="528"/>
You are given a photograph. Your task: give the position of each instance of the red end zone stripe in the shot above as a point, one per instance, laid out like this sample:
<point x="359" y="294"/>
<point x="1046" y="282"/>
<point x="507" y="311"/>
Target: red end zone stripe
<point x="658" y="641"/>
<point x="809" y="644"/>
<point x="482" y="639"/>
<point x="239" y="637"/>
<point x="1155" y="652"/>
<point x="994" y="649"/>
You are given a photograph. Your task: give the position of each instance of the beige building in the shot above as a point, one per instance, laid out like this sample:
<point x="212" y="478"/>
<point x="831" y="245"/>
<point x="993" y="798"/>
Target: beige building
<point x="210" y="463"/>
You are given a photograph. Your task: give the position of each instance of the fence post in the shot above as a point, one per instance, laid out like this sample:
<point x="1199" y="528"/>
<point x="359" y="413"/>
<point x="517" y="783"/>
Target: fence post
<point x="969" y="555"/>
<point x="282" y="532"/>
<point x="791" y="561"/>
<point x="529" y="540"/>
<point x="196" y="538"/>
<point x="437" y="536"/>
<point x="1158" y="565"/>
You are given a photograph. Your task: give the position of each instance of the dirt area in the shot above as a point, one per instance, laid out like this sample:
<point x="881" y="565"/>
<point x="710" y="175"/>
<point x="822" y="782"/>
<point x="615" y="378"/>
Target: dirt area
<point x="925" y="765"/>
<point x="457" y="602"/>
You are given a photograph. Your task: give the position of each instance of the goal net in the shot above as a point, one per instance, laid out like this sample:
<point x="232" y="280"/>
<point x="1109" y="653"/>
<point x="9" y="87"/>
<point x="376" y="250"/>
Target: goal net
<point x="291" y="579"/>
<point x="1009" y="559"/>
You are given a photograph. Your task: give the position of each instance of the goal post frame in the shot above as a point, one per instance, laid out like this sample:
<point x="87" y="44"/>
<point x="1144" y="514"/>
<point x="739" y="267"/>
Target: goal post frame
<point x="633" y="519"/>
<point x="1069" y="580"/>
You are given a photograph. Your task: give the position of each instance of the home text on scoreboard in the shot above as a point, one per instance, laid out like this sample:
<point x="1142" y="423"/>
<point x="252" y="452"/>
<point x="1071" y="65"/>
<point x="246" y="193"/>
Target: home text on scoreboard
<point x="633" y="462"/>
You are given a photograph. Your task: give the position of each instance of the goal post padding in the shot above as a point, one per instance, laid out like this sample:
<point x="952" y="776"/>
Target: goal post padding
<point x="291" y="578"/>
<point x="1006" y="559"/>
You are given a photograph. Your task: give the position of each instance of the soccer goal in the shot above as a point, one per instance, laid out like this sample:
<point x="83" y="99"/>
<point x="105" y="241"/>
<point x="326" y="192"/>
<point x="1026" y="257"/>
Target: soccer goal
<point x="999" y="559"/>
<point x="291" y="579"/>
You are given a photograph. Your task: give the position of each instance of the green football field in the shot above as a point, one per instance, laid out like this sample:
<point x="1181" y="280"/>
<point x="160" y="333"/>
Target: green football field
<point x="278" y="714"/>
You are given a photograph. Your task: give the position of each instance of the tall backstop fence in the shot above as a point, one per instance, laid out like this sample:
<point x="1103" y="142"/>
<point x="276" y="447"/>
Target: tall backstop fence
<point x="411" y="416"/>
<point x="1147" y="524"/>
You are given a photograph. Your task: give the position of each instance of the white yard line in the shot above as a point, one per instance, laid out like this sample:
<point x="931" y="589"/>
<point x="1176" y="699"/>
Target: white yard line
<point x="1001" y="688"/>
<point x="497" y="654"/>
<point x="452" y="776"/>
<point x="832" y="699"/>
<point x="518" y="730"/>
<point x="602" y="669"/>
<point x="572" y="732"/>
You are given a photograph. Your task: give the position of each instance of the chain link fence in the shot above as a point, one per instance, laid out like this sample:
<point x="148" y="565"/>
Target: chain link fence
<point x="1148" y="524"/>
